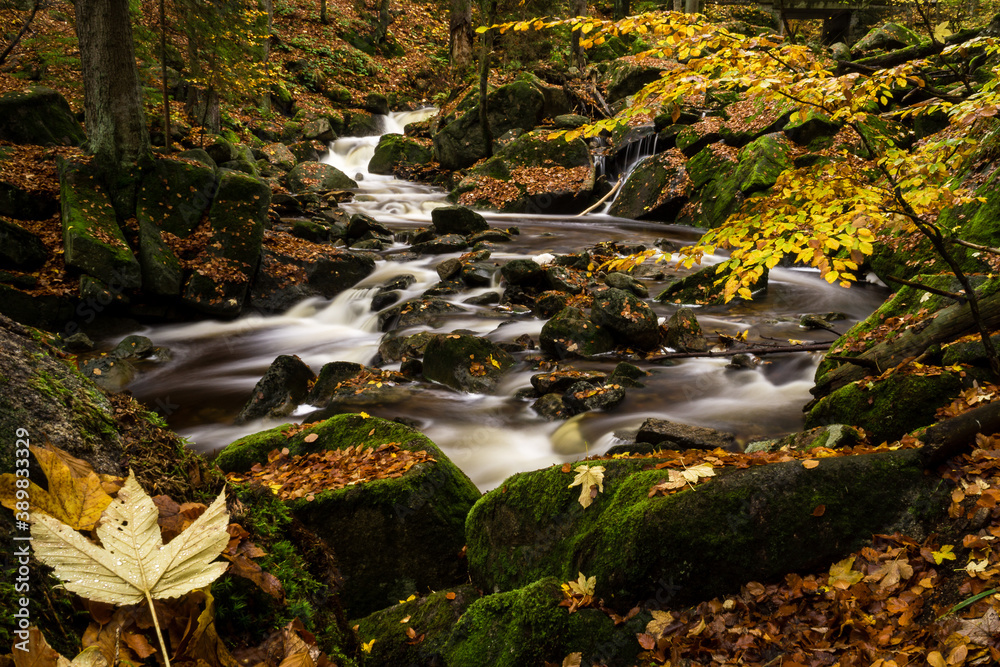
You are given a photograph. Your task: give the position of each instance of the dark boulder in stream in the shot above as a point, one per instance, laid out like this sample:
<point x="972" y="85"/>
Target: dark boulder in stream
<point x="281" y="390"/>
<point x="630" y="320"/>
<point x="466" y="363"/>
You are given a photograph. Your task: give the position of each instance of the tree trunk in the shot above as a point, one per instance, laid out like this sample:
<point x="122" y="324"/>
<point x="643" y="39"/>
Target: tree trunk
<point x="116" y="127"/>
<point x="489" y="9"/>
<point x="460" y="39"/>
<point x="163" y="77"/>
<point x="578" y="8"/>
<point x="384" y="19"/>
<point x="322" y="12"/>
<point x="622" y="9"/>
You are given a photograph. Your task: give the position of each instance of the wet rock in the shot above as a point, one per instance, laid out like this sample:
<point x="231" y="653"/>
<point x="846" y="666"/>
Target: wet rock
<point x="441" y="245"/>
<point x="487" y="299"/>
<point x="396" y="153"/>
<point x="683" y="332"/>
<point x="700" y="288"/>
<point x="584" y="396"/>
<point x="395" y="348"/>
<point x="94" y="243"/>
<point x="173" y="198"/>
<point x="39" y="116"/>
<point x="444" y="288"/>
<point x="562" y="279"/>
<point x="304" y="151"/>
<point x="78" y="342"/>
<point x="392" y="536"/>
<point x="416" y="312"/>
<point x="629" y="319"/>
<point x="552" y="407"/>
<point x="134" y="347"/>
<point x="284" y="386"/>
<point x="449" y="268"/>
<point x="571" y="333"/>
<point x="466" y="363"/>
<point x="318" y="129"/>
<point x="331" y="375"/>
<point x="523" y="273"/>
<point x="363" y="227"/>
<point x="316" y="176"/>
<point x="224" y="270"/>
<point x="19" y="248"/>
<point x="627" y="375"/>
<point x="549" y="303"/>
<point x="655" y="190"/>
<point x="385" y="299"/>
<point x="834" y="436"/>
<point x="280" y="156"/>
<point x="109" y="373"/>
<point x="458" y="220"/>
<point x="742" y="362"/>
<point x="683" y="436"/>
<point x="490" y="236"/>
<point x="478" y="274"/>
<point x="623" y="281"/>
<point x="559" y="381"/>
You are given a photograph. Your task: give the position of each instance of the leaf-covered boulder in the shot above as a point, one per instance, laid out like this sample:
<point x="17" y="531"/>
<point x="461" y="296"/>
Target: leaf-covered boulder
<point x="173" y="197"/>
<point x="223" y="271"/>
<point x="466" y="363"/>
<point x="392" y="537"/>
<point x="396" y="153"/>
<point x="293" y="269"/>
<point x="755" y="524"/>
<point x="416" y="312"/>
<point x="38" y="115"/>
<point x="655" y="190"/>
<point x="93" y="241"/>
<point x="532" y="174"/>
<point x="279" y="155"/>
<point x="629" y="319"/>
<point x="459" y="142"/>
<point x="570" y="333"/>
<point x="683" y="332"/>
<point x="316" y="176"/>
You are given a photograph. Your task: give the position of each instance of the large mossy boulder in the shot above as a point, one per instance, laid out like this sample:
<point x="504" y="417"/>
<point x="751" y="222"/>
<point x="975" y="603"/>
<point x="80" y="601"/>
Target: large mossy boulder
<point x="293" y="269"/>
<point x="704" y="287"/>
<point x="317" y="176"/>
<point x="754" y="524"/>
<point x="466" y="363"/>
<point x="52" y="401"/>
<point x="761" y="162"/>
<point x="887" y="408"/>
<point x="655" y="190"/>
<point x="93" y="241"/>
<point x="396" y="153"/>
<point x="23" y="204"/>
<point x="570" y="333"/>
<point x="173" y="197"/>
<point x="224" y="270"/>
<point x="532" y="175"/>
<point x="459" y="143"/>
<point x="19" y="248"/>
<point x="630" y="320"/>
<point x="40" y="116"/>
<point x="392" y="537"/>
<point x="886" y="37"/>
<point x="626" y="77"/>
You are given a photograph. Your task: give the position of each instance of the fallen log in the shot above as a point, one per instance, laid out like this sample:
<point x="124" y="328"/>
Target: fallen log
<point x="958" y="434"/>
<point x="900" y="56"/>
<point x="949" y="324"/>
<point x="758" y="350"/>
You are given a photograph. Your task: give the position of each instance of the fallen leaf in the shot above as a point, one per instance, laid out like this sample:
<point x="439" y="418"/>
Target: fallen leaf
<point x="943" y="554"/>
<point x="586" y="478"/>
<point x="842" y="576"/>
<point x="810" y="464"/>
<point x="820" y="510"/>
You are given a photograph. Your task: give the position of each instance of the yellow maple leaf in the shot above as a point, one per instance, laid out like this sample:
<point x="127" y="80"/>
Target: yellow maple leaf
<point x="588" y="477"/>
<point x="842" y="576"/>
<point x="75" y="495"/>
<point x="945" y="553"/>
<point x="582" y="586"/>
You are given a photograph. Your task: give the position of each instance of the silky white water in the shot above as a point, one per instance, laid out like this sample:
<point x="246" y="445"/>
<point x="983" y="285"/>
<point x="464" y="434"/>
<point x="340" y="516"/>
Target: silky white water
<point x="215" y="365"/>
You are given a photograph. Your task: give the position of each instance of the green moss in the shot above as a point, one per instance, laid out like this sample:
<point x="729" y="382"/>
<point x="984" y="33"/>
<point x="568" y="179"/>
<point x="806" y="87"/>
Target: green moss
<point x="889" y="408"/>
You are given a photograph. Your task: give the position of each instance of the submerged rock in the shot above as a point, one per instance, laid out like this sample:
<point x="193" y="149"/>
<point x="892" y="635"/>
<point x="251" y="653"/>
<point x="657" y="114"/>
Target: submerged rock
<point x="281" y="390"/>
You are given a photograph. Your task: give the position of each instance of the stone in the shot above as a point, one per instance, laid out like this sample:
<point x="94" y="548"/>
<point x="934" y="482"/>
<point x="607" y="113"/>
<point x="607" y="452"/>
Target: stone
<point x="628" y="318"/>
<point x="523" y="273"/>
<point x="92" y="239"/>
<point x="396" y="153"/>
<point x="886" y="37"/>
<point x="134" y="347"/>
<point x="683" y="333"/>
<point x="19" y="248"/>
<point x="627" y="78"/>
<point x="317" y="176"/>
<point x="109" y="373"/>
<point x="700" y="287"/>
<point x="23" y="205"/>
<point x="671" y="435"/>
<point x="441" y="245"/>
<point x="284" y="386"/>
<point x="416" y="312"/>
<point x="466" y="363"/>
<point x="552" y="407"/>
<point x="559" y="381"/>
<point x="623" y="281"/>
<point x="39" y="116"/>
<point x="761" y="162"/>
<point x="458" y="220"/>
<point x="570" y="333"/>
<point x="584" y="396"/>
<point x="280" y="156"/>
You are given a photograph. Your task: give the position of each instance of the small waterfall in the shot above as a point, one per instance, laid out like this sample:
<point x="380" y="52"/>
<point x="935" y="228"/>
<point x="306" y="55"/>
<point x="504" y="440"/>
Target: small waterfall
<point x="639" y="143"/>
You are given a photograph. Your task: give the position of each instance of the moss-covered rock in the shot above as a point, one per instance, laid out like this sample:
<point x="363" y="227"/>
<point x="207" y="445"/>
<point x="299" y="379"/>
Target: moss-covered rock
<point x="416" y="312"/>
<point x="93" y="241"/>
<point x="571" y="333"/>
<point x="625" y="78"/>
<point x="531" y="174"/>
<point x="173" y="197"/>
<point x="19" y="248"/>
<point x="316" y="176"/>
<point x="225" y="268"/>
<point x="709" y="163"/>
<point x="38" y="115"/>
<point x="703" y="287"/>
<point x="811" y="129"/>
<point x="887" y="408"/>
<point x="279" y="155"/>
<point x="886" y="37"/>
<point x="655" y="190"/>
<point x="466" y="363"/>
<point x="834" y="436"/>
<point x="761" y="162"/>
<point x="459" y="143"/>
<point x="628" y="318"/>
<point x="396" y="153"/>
<point x="21" y="204"/>
<point x="393" y="537"/>
<point x="754" y="524"/>
<point x="458" y="220"/>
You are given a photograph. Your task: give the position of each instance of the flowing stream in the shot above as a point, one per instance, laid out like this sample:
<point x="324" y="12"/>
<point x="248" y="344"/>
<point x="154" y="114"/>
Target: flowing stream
<point x="215" y="365"/>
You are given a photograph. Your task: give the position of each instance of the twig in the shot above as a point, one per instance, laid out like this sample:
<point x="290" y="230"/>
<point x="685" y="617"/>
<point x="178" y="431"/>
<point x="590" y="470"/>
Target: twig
<point x="602" y="199"/>
<point x="759" y="350"/>
<point x="926" y="288"/>
<point x="976" y="246"/>
<point x="24" y="29"/>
